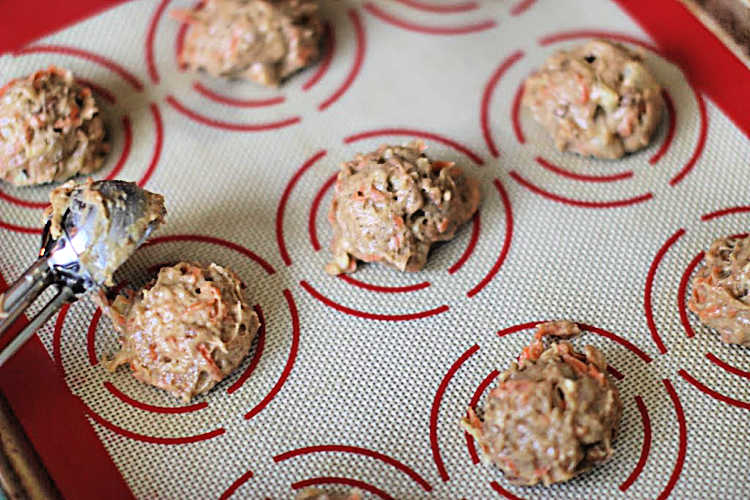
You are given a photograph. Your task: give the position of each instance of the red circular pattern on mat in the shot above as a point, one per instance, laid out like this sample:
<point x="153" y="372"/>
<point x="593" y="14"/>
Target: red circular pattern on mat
<point x="230" y="101"/>
<point x="383" y="289"/>
<point x="521" y="7"/>
<point x="575" y="202"/>
<point x="684" y="278"/>
<point x="329" y="183"/>
<point x="311" y="229"/>
<point x="213" y="241"/>
<point x="682" y="292"/>
<point x="149" y="439"/>
<point x="359" y="58"/>
<point x="329" y="41"/>
<point x="727" y="367"/>
<point x="485" y="383"/>
<point x="290" y="360"/>
<point x="509" y="61"/>
<point x="112" y="390"/>
<point x="261" y="342"/>
<point x="645" y="447"/>
<point x="421" y="134"/>
<point x="436" y="457"/>
<point x="107" y="96"/>
<point x="682" y="450"/>
<point x="388" y="289"/>
<point x="489" y="89"/>
<point x="281" y="209"/>
<point x="650" y="284"/>
<point x="150" y="35"/>
<point x="229" y="126"/>
<point x="368" y="315"/>
<point x="548" y="165"/>
<point x="356" y="450"/>
<point x="475" y="228"/>
<point x="105" y="62"/>
<point x="440" y="8"/>
<point x="398" y="22"/>
<point x="672" y="117"/>
<point x="505" y="493"/>
<point x="151" y="408"/>
<point x="236" y="484"/>
<point x="725" y="211"/>
<point x="586" y="328"/>
<point x="713" y="393"/>
<point x="56" y="354"/>
<point x="354" y="483"/>
<point x="506" y="243"/>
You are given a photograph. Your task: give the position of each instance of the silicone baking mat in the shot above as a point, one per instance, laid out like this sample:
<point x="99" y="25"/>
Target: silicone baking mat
<point x="362" y="380"/>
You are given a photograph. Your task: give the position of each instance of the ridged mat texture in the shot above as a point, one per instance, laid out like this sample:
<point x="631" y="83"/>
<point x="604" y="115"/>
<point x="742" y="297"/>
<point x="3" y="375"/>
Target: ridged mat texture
<point x="364" y="381"/>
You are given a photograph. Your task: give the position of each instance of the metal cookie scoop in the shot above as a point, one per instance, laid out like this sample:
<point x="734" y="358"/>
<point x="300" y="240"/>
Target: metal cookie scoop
<point x="91" y="230"/>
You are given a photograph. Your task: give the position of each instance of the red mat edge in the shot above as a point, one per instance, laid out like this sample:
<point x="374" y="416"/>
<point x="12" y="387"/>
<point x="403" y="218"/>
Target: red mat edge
<point x="88" y="471"/>
<point x="711" y="66"/>
<point x="27" y="21"/>
<point x="57" y="427"/>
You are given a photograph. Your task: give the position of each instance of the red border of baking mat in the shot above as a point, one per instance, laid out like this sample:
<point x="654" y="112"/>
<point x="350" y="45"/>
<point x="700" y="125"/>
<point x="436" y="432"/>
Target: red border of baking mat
<point x="70" y="449"/>
<point x="712" y="67"/>
<point x="55" y="422"/>
<point x="24" y="21"/>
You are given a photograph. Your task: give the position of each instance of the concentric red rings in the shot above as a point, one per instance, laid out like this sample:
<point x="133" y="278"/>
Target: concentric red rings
<point x="684" y="278"/>
<point x="121" y="396"/>
<point x="354" y="483"/>
<point x="329" y="183"/>
<point x="107" y="96"/>
<point x="440" y="8"/>
<point x="545" y="164"/>
<point x="56" y="350"/>
<point x="329" y="41"/>
<point x="368" y="315"/>
<point x="359" y="451"/>
<point x="443" y="29"/>
<point x="485" y="383"/>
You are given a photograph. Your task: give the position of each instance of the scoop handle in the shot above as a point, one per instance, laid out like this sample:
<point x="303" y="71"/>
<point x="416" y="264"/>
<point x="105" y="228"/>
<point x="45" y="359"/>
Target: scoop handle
<point x="64" y="295"/>
<point x="22" y="293"/>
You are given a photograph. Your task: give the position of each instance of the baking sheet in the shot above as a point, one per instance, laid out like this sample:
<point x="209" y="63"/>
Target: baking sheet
<point x="363" y="382"/>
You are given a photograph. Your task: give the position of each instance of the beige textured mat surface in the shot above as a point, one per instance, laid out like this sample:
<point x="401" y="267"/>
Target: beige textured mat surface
<point x="374" y="373"/>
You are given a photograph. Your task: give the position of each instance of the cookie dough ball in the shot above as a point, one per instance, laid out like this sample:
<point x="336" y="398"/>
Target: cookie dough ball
<point x="553" y="415"/>
<point x="260" y="40"/>
<point x="185" y="331"/>
<point x="391" y="205"/>
<point x="50" y="129"/>
<point x="598" y="100"/>
<point x="720" y="290"/>
<point x="316" y="494"/>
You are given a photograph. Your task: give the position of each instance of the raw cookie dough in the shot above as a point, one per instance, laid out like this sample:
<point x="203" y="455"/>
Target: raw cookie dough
<point x="260" y="40"/>
<point x="598" y="99"/>
<point x="103" y="197"/>
<point x="316" y="494"/>
<point x="185" y="331"/>
<point x="553" y="415"/>
<point x="50" y="129"/>
<point x="391" y="205"/>
<point x="720" y="290"/>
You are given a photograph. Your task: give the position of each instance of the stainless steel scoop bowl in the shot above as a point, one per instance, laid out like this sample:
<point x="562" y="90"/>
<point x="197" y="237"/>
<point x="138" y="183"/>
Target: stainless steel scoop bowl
<point x="92" y="244"/>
